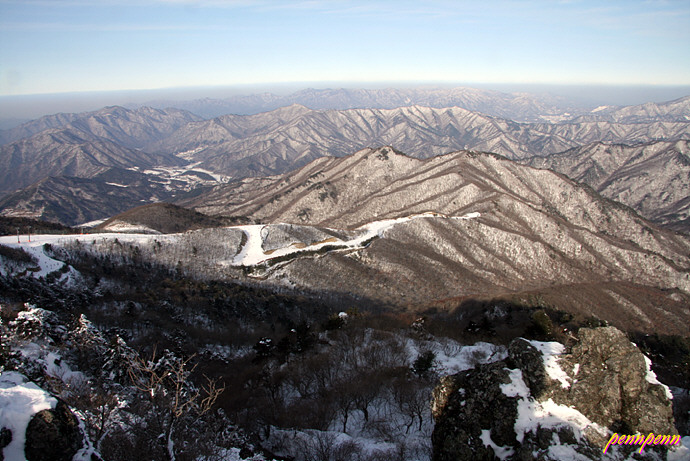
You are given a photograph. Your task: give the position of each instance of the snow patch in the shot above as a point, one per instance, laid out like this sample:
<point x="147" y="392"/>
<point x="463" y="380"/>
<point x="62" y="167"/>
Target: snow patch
<point x="499" y="451"/>
<point x="548" y="414"/>
<point x="550" y="352"/>
<point x="680" y="453"/>
<point x="452" y="357"/>
<point x="566" y="452"/>
<point x="121" y="226"/>
<point x="92" y="223"/>
<point x="599" y="109"/>
<point x="57" y="368"/>
<point x="651" y="378"/>
<point x="216" y="176"/>
<point x="517" y="386"/>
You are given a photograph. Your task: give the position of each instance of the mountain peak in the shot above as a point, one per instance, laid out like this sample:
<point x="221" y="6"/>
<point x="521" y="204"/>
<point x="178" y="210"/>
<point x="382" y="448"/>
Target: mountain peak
<point x="292" y="108"/>
<point x="381" y="153"/>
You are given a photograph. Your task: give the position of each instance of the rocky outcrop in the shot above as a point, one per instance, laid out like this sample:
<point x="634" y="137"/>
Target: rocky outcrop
<point x="545" y="402"/>
<point x="36" y="426"/>
<point x="53" y="435"/>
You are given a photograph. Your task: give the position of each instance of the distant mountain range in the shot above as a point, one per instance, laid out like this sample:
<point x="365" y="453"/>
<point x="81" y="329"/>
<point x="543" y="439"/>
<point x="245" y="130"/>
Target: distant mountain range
<point x="522" y="107"/>
<point x="290" y="137"/>
<point x="164" y="154"/>
<point x="81" y="200"/>
<point x="68" y="152"/>
<point x="129" y="128"/>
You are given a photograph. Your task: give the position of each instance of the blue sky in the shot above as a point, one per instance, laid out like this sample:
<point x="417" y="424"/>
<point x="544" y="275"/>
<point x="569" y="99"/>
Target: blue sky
<point x="50" y="46"/>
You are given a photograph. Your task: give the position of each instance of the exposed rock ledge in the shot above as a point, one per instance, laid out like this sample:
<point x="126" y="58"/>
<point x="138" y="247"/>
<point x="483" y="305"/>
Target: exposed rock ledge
<point x="547" y="403"/>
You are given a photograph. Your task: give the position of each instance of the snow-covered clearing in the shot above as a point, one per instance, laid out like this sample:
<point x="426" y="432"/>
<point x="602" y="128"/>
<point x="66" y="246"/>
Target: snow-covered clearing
<point x="46" y="264"/>
<point x="120" y="226"/>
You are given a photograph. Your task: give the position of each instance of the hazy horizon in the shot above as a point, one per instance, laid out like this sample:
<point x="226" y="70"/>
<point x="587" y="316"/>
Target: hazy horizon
<point x="112" y="45"/>
<point x="17" y="108"/>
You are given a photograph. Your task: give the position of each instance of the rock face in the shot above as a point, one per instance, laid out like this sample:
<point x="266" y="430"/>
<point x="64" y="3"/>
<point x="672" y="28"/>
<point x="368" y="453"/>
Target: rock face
<point x="53" y="435"/>
<point x="546" y="403"/>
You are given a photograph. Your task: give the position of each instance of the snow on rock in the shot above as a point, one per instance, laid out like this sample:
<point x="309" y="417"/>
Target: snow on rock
<point x="517" y="386"/>
<point x="552" y="415"/>
<point x="682" y="452"/>
<point x="19" y="401"/>
<point x="551" y="351"/>
<point x="651" y="378"/>
<point x="534" y="415"/>
<point x="499" y="451"/>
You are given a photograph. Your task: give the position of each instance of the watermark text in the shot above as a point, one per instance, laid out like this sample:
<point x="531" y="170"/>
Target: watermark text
<point x="639" y="439"/>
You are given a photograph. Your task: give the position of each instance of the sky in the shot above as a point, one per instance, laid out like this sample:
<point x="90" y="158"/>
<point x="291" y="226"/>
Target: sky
<point x="55" y="46"/>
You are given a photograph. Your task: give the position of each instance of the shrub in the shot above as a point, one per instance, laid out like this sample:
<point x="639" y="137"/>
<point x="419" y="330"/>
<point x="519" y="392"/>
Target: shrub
<point x="542" y="323"/>
<point x="423" y="363"/>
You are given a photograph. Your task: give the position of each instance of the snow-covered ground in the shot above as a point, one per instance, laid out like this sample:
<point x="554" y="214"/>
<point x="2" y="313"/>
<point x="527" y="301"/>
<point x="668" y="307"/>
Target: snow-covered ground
<point x="388" y="433"/>
<point x="186" y="174"/>
<point x="251" y="253"/>
<point x="121" y="226"/>
<point x="46" y="264"/>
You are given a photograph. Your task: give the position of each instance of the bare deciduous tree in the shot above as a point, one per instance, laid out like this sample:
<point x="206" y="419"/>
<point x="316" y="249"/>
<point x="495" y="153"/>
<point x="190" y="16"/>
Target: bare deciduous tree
<point x="171" y="393"/>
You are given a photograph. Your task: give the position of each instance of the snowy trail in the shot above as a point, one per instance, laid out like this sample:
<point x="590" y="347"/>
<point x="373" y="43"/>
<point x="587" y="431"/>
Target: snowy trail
<point x="252" y="250"/>
<point x="250" y="254"/>
<point x="48" y="264"/>
<point x="253" y="254"/>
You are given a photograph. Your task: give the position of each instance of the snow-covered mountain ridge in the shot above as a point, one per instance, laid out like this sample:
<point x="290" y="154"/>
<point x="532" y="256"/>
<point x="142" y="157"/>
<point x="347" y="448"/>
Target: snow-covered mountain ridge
<point x="75" y="151"/>
<point x="277" y="141"/>
<point x="317" y="230"/>
<point x="652" y="178"/>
